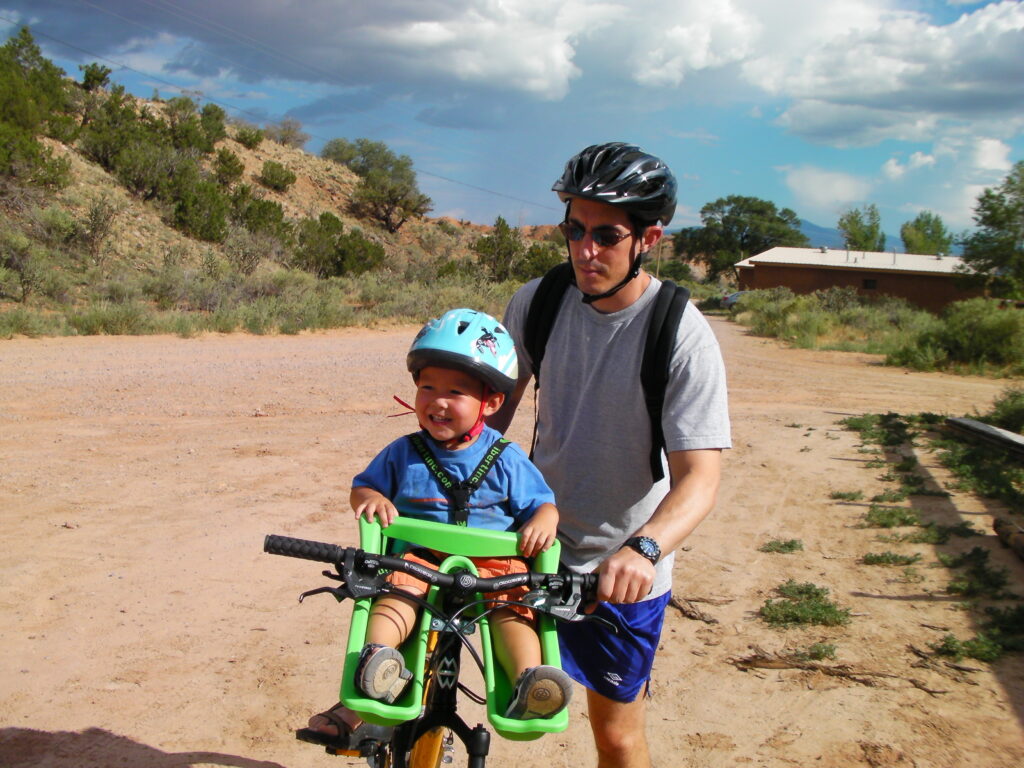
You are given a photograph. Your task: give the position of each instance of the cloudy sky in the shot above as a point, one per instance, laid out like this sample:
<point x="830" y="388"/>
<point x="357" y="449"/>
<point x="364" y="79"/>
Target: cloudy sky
<point x="816" y="105"/>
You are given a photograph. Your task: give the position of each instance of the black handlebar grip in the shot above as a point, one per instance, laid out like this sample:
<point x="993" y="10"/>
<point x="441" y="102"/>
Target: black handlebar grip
<point x="589" y="585"/>
<point x="302" y="548"/>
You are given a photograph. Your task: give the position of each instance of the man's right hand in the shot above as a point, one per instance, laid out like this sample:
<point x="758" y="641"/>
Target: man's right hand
<point x="625" y="577"/>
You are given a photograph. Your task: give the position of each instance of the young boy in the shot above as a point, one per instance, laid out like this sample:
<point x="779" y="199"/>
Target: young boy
<point x="463" y="364"/>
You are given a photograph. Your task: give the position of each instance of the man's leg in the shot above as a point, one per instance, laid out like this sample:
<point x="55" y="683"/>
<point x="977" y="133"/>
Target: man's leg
<point x="619" y="732"/>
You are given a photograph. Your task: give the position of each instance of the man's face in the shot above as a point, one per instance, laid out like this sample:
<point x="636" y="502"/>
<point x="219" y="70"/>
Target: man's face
<point x="600" y="267"/>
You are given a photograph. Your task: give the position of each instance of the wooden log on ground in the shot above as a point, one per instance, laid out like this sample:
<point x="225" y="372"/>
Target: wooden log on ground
<point x="1010" y="534"/>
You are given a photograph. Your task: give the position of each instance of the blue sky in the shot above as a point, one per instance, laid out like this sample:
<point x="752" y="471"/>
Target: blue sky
<point x="818" y="106"/>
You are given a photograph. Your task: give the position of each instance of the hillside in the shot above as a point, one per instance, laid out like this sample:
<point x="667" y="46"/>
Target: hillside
<point x="141" y="235"/>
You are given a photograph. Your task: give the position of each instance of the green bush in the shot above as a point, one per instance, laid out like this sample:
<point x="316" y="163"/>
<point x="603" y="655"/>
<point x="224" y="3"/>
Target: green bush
<point x="249" y="137"/>
<point x="227" y="167"/>
<point x="276" y="176"/>
<point x="201" y="210"/>
<point x="975" y="332"/>
<point x="112" y="319"/>
<point x="803" y="604"/>
<point x="1008" y="410"/>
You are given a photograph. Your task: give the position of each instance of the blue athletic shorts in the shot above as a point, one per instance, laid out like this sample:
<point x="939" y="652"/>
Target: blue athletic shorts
<point x="617" y="666"/>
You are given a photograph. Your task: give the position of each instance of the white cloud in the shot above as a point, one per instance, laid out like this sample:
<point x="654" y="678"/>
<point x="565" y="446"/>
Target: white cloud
<point x="894" y="170"/>
<point x="700" y="135"/>
<point x="825" y="192"/>
<point x="992" y="155"/>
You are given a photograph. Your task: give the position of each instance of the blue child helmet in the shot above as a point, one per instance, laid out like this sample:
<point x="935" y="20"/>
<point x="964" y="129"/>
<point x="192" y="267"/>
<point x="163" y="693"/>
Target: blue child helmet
<point x="468" y="341"/>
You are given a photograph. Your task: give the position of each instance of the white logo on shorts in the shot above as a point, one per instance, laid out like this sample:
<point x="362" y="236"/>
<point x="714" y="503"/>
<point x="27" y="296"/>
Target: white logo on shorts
<point x="613" y="678"/>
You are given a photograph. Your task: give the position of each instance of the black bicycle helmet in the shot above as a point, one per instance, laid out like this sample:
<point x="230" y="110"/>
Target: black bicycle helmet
<point x="622" y="175"/>
<point x="625" y="176"/>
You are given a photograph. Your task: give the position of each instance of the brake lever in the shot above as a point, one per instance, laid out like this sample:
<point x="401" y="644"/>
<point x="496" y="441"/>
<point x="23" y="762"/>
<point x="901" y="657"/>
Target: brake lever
<point x="354" y="584"/>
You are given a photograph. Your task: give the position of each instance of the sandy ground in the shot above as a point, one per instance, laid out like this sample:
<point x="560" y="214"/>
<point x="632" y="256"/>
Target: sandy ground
<point x="141" y="625"/>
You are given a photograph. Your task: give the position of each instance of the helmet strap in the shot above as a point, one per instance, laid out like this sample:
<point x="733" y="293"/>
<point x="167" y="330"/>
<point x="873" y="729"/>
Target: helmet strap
<point x="477" y="428"/>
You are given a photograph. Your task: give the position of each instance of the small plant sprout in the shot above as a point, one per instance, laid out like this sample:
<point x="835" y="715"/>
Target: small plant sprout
<point x="846" y="495"/>
<point x="782" y="547"/>
<point x="889" y="558"/>
<point x="804" y="603"/>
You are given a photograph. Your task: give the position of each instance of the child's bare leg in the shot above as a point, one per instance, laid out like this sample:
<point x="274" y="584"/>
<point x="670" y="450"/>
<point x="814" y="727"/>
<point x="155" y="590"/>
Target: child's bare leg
<point x="391" y="620"/>
<point x="515" y="642"/>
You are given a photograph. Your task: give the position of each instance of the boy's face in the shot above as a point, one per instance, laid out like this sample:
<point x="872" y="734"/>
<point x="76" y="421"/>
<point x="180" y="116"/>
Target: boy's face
<point x="448" y="402"/>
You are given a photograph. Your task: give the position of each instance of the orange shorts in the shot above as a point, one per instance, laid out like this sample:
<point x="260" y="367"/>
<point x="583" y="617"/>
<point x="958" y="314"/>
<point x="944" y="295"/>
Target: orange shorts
<point x="486" y="567"/>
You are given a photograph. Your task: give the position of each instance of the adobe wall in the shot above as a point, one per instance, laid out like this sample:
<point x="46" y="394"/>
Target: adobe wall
<point x="931" y="292"/>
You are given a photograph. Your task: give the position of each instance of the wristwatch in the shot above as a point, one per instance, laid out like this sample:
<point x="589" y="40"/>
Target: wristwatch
<point x="646" y="546"/>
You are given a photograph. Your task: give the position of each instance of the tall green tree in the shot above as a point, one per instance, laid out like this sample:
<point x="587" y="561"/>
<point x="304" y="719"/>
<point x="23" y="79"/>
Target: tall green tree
<point x="500" y="251"/>
<point x="995" y="251"/>
<point x="926" y="234"/>
<point x="736" y="227"/>
<point x="388" y="192"/>
<point x="862" y="229"/>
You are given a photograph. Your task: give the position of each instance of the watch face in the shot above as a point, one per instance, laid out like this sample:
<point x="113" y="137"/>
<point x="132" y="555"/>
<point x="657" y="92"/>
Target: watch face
<point x="648" y="548"/>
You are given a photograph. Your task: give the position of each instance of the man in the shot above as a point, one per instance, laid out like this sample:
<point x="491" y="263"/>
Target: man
<point x="593" y="433"/>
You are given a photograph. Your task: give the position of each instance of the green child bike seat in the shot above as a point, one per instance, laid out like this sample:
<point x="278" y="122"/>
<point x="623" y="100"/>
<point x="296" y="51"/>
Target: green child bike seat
<point x="462" y="543"/>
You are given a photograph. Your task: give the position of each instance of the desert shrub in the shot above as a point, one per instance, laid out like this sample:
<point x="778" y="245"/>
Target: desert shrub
<point x="266" y="216"/>
<point x="227" y="167"/>
<point x="975" y="332"/>
<point x="1008" y="410"/>
<point x="981" y="647"/>
<point x="56" y="226"/>
<point x="288" y="133"/>
<point x="201" y="210"/>
<point x="22" y="321"/>
<point x="783" y="547"/>
<point x="275" y="176"/>
<point x="147" y="169"/>
<point x="245" y="250"/>
<point x="890" y="517"/>
<point x="24" y="158"/>
<point x="98" y="225"/>
<point x="111" y="319"/>
<point x="803" y="604"/>
<point x="249" y="136"/>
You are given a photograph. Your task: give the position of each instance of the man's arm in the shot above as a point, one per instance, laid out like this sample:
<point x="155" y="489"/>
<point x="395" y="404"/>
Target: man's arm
<point x="627" y="576"/>
<point x="502" y="418"/>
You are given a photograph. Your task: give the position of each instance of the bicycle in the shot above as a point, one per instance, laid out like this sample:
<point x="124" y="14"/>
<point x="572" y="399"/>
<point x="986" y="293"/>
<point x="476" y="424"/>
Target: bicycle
<point x="419" y="729"/>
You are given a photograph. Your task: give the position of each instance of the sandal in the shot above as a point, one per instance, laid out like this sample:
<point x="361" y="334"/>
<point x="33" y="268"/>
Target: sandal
<point x="347" y="737"/>
<point x="540" y="692"/>
<point x="381" y="673"/>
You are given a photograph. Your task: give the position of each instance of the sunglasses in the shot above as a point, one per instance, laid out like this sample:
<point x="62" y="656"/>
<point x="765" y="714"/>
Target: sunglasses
<point x="604" y="237"/>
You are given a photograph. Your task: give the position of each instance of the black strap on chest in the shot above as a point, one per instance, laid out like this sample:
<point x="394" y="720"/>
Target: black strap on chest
<point x="658" y="347"/>
<point x="458" y="492"/>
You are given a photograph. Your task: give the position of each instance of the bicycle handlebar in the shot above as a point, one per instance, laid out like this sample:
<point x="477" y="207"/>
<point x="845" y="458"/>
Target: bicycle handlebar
<point x="571" y="588"/>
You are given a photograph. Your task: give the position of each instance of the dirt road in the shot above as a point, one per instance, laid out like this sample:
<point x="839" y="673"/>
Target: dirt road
<point x="142" y="626"/>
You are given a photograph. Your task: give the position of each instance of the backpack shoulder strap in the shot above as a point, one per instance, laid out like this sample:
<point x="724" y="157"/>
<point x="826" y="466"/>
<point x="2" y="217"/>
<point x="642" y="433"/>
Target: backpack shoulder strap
<point x="542" y="313"/>
<point x="654" y="370"/>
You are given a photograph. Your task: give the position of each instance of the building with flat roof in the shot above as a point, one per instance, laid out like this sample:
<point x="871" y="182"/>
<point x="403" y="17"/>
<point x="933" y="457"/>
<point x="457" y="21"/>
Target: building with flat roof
<point x="930" y="282"/>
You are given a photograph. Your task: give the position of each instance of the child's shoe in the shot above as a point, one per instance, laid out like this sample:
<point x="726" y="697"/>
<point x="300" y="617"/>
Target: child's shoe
<point x="381" y="673"/>
<point x="541" y="691"/>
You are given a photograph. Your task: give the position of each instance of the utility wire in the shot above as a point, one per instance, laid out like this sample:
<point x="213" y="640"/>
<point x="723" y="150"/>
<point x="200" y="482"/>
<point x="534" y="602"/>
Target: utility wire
<point x="242" y="110"/>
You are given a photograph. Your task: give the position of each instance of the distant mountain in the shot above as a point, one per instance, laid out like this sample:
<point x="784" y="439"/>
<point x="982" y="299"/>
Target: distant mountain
<point x="833" y="238"/>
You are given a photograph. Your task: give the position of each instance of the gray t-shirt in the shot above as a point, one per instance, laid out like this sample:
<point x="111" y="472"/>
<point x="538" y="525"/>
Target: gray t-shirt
<point x="593" y="429"/>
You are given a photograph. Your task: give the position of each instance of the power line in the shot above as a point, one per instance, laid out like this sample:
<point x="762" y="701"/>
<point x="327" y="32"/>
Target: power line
<point x="241" y="110"/>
